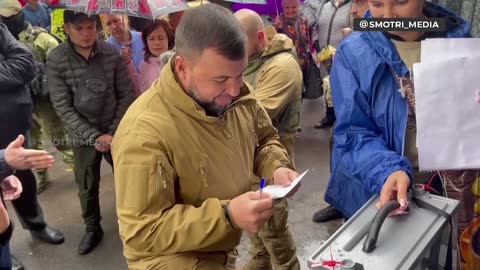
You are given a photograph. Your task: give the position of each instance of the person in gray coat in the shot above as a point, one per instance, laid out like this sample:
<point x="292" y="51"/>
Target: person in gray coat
<point x="90" y="89"/>
<point x="332" y="22"/>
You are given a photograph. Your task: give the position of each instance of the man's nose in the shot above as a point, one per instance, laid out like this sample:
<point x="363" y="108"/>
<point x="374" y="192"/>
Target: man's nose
<point x="233" y="87"/>
<point x="389" y="13"/>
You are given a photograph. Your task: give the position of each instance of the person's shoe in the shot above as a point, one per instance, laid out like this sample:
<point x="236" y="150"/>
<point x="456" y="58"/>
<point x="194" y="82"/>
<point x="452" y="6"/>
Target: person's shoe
<point x="90" y="241"/>
<point x="16" y="264"/>
<point x="328" y="120"/>
<point x="49" y="235"/>
<point x="258" y="262"/>
<point x="326" y="214"/>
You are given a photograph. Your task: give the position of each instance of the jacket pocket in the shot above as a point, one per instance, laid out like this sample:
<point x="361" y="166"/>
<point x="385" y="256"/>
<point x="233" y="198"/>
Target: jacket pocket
<point x="164" y="184"/>
<point x="90" y="97"/>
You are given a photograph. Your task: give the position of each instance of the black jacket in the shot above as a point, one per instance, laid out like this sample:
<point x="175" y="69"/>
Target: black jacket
<point x="17" y="70"/>
<point x="65" y="69"/>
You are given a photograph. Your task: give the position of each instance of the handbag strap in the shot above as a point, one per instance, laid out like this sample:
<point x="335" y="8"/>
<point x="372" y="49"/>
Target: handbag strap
<point x="407" y="89"/>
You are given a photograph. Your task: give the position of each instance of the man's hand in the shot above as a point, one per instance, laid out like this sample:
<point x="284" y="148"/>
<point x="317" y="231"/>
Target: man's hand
<point x="284" y="177"/>
<point x="11" y="188"/>
<point x="347" y="31"/>
<point x="102" y="143"/>
<point x="126" y="54"/>
<point x="20" y="158"/>
<point x="278" y="22"/>
<point x="249" y="212"/>
<point x="395" y="188"/>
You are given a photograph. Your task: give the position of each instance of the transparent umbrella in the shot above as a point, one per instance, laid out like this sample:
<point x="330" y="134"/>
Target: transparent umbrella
<point x="138" y="8"/>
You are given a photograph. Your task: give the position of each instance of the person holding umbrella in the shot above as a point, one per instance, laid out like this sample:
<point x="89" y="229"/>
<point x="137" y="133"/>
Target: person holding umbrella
<point x="128" y="42"/>
<point x="90" y="90"/>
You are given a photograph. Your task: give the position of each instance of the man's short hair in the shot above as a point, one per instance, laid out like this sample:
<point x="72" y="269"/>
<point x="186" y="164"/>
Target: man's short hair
<point x="210" y="26"/>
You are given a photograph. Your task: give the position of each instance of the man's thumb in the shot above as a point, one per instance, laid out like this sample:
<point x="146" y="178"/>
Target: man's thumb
<point x="18" y="142"/>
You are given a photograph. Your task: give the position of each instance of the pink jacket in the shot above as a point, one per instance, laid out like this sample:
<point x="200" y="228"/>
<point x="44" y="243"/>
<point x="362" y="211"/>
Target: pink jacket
<point x="148" y="73"/>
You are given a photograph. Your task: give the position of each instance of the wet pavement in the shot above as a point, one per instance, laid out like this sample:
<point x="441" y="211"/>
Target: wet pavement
<point x="62" y="210"/>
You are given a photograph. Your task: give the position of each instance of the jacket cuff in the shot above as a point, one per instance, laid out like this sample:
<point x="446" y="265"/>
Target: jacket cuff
<point x="94" y="136"/>
<point x="227" y="212"/>
<point x="383" y="176"/>
<point x="6" y="235"/>
<point x="5" y="169"/>
<point x="269" y="170"/>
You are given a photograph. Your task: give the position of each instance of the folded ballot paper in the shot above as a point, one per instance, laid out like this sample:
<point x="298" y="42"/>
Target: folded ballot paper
<point x="447" y="95"/>
<point x="278" y="191"/>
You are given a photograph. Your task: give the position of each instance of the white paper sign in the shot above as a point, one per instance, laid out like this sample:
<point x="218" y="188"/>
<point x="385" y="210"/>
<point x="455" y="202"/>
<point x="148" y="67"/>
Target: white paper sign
<point x="448" y="113"/>
<point x="440" y="49"/>
<point x="278" y="191"/>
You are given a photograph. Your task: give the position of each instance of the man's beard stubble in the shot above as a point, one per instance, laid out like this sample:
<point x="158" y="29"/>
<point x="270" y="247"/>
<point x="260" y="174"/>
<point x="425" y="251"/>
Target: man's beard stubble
<point x="211" y="109"/>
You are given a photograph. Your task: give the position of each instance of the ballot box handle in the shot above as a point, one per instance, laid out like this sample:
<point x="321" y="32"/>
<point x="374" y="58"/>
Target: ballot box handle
<point x="372" y="236"/>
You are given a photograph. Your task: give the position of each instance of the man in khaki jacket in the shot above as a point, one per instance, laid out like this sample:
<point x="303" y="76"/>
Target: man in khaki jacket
<point x="188" y="150"/>
<point x="276" y="76"/>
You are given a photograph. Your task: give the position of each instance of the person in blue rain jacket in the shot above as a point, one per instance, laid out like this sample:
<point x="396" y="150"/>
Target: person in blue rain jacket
<point x="372" y="116"/>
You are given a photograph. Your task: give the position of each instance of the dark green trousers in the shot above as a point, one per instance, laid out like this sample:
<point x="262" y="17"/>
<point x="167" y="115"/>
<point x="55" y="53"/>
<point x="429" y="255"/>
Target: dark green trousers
<point x="87" y="176"/>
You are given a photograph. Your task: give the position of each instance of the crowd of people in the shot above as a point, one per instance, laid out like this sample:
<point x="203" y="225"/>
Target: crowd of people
<point x="193" y="111"/>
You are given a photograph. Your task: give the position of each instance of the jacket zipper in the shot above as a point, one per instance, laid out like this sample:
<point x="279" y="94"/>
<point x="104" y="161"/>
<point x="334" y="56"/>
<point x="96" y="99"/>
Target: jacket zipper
<point x="331" y="24"/>
<point x="160" y="174"/>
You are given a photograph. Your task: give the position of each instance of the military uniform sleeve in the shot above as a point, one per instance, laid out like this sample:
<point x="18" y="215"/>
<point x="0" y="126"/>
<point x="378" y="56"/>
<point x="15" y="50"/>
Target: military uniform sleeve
<point x="62" y="100"/>
<point x="279" y="85"/>
<point x="124" y="92"/>
<point x="270" y="153"/>
<point x="152" y="222"/>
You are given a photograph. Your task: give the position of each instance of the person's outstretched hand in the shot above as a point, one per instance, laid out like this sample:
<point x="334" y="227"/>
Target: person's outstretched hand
<point x="395" y="188"/>
<point x="20" y="158"/>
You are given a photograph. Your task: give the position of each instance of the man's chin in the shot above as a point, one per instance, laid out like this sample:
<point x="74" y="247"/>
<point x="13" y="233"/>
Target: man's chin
<point x="85" y="46"/>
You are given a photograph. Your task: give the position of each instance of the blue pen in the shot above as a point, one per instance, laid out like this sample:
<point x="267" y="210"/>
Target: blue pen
<point x="262" y="185"/>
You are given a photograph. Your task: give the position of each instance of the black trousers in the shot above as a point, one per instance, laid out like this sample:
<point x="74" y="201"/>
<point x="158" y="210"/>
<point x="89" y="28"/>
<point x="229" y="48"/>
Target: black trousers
<point x="15" y="119"/>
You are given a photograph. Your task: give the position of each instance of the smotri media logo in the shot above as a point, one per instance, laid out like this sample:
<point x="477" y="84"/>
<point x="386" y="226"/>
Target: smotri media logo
<point x="399" y="24"/>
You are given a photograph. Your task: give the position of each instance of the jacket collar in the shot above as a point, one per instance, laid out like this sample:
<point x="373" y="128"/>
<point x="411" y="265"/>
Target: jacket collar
<point x="280" y="43"/>
<point x="344" y="3"/>
<point x="456" y="27"/>
<point x="170" y="90"/>
<point x="98" y="49"/>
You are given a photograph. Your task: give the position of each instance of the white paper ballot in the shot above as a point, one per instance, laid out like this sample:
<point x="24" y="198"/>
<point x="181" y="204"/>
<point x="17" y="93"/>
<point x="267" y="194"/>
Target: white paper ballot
<point x="278" y="191"/>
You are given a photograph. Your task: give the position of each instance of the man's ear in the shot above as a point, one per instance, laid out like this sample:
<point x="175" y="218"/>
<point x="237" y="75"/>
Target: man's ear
<point x="180" y="67"/>
<point x="66" y="28"/>
<point x="261" y="36"/>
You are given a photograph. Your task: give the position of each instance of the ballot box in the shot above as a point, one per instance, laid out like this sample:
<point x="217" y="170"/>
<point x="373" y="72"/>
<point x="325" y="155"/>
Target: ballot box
<point x="425" y="238"/>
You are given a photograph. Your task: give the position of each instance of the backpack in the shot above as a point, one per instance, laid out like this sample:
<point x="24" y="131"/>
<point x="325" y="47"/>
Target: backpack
<point x="38" y="86"/>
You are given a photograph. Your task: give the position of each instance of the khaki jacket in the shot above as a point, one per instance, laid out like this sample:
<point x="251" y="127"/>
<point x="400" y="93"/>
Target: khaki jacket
<point x="175" y="168"/>
<point x="277" y="79"/>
